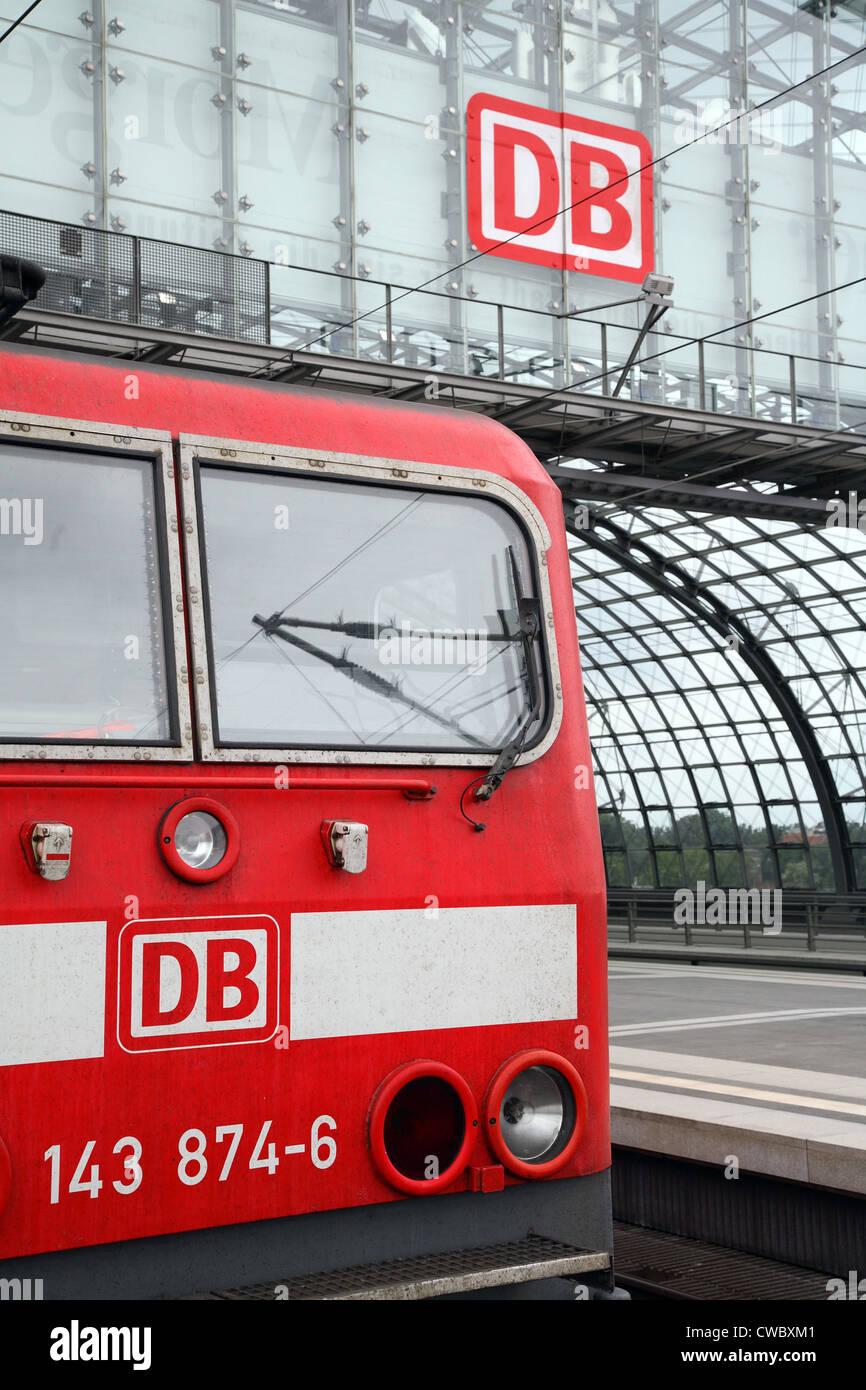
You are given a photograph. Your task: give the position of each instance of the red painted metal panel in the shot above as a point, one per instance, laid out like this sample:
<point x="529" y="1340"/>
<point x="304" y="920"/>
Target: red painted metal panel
<point x="234" y="1119"/>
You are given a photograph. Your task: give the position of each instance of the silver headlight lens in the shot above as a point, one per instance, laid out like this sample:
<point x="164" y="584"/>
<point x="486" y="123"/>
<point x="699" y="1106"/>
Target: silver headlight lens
<point x="537" y="1115"/>
<point x="200" y="840"/>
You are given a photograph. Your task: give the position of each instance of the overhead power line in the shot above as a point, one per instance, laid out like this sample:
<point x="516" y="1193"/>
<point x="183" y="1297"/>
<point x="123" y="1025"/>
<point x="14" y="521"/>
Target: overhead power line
<point x="20" y="20"/>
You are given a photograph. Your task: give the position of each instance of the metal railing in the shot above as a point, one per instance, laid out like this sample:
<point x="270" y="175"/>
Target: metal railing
<point x="135" y="280"/>
<point x="808" y="920"/>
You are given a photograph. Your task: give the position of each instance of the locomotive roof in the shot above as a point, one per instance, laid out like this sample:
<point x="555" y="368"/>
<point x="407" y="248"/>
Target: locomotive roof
<point x="193" y="402"/>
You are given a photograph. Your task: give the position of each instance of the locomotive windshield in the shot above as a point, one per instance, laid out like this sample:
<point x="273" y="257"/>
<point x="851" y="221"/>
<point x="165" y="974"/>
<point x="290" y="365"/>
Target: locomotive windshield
<point x="81" y="627"/>
<point x="356" y="615"/>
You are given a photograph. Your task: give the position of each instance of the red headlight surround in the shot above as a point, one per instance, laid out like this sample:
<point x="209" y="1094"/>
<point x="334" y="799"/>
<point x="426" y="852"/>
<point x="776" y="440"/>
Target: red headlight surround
<point x="169" y="825"/>
<point x="506" y="1074"/>
<point x="385" y="1096"/>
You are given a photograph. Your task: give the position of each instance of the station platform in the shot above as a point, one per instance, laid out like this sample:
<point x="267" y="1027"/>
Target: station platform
<point x="725" y="1064"/>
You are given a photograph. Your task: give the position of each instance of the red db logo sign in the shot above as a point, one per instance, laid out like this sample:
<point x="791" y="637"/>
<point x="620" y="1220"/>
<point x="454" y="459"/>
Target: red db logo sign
<point x="197" y="982"/>
<point x="560" y="190"/>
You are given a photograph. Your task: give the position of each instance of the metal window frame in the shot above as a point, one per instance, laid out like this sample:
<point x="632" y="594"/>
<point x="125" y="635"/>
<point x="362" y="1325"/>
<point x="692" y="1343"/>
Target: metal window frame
<point x="357" y="468"/>
<point x="113" y="441"/>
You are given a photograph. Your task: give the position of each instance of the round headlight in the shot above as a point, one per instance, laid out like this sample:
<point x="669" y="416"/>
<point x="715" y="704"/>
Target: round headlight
<point x="536" y="1113"/>
<point x="532" y="1114"/>
<point x="200" y="840"/>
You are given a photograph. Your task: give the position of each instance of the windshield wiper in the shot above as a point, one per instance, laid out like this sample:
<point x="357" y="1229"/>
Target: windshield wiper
<point x="372" y="632"/>
<point x="368" y="631"/>
<point x="371" y="680"/>
<point x="529" y="627"/>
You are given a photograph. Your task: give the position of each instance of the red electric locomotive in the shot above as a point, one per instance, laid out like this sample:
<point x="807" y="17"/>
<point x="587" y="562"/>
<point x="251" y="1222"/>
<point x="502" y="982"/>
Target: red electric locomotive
<point x="303" y="914"/>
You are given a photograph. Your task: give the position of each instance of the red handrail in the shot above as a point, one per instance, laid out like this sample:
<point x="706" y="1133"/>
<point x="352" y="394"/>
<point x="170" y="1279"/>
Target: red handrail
<point x="413" y="787"/>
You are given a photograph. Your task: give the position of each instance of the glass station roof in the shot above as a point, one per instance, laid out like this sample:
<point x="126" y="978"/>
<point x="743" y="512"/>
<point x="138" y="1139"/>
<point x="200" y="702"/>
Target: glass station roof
<point x="700" y="773"/>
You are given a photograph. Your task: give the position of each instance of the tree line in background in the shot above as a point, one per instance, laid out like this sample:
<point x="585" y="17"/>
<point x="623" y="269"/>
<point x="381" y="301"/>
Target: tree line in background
<point x="714" y="848"/>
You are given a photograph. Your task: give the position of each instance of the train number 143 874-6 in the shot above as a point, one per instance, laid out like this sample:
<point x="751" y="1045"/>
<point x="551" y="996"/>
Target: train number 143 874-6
<point x="195" y="1157"/>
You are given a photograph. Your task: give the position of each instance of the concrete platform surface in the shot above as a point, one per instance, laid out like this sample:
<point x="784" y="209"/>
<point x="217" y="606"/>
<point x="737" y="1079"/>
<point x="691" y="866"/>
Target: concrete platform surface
<point x="722" y="1064"/>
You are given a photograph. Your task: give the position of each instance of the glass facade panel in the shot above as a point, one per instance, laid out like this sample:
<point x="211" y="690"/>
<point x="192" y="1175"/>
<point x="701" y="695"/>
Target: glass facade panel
<point x="164" y="137"/>
<point x="289" y="167"/>
<point x="185" y="32"/>
<point x="287" y="53"/>
<point x="48" y="118"/>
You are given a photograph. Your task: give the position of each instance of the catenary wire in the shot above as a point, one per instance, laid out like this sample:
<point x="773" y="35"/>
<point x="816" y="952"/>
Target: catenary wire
<point x="20" y="20"/>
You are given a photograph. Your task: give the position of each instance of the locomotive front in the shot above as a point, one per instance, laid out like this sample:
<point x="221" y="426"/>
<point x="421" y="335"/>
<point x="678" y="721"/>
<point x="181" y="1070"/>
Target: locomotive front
<point x="303" y="919"/>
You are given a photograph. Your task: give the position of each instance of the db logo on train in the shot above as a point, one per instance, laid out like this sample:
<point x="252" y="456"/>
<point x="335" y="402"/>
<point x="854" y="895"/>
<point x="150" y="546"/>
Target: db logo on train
<point x="197" y="982"/>
<point x="559" y="190"/>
